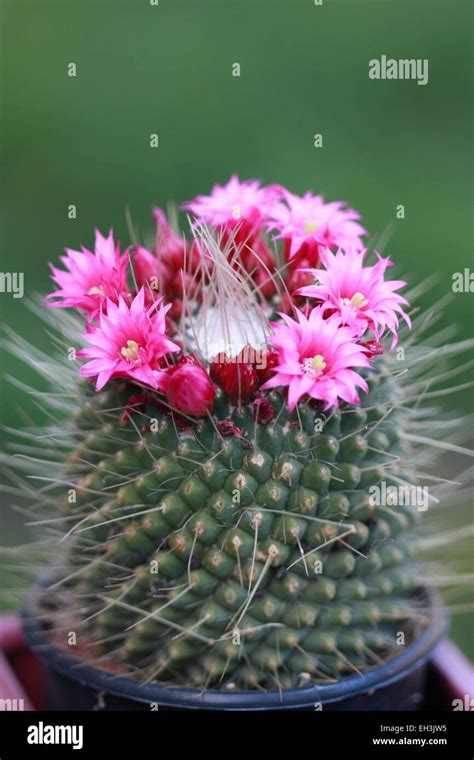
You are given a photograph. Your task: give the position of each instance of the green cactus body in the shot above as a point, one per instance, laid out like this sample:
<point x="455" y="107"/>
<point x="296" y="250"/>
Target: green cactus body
<point x="240" y="561"/>
<point x="221" y="518"/>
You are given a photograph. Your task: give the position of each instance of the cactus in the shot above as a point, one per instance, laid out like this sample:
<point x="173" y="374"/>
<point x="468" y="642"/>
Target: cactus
<point x="239" y="558"/>
<point x="242" y="547"/>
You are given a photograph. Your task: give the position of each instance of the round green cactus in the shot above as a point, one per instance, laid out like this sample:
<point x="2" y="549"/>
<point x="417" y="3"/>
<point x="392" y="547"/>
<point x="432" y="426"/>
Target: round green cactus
<point x="246" y="559"/>
<point x="217" y="523"/>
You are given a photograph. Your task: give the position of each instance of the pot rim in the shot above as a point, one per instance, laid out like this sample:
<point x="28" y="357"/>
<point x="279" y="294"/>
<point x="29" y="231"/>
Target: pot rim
<point x="379" y="676"/>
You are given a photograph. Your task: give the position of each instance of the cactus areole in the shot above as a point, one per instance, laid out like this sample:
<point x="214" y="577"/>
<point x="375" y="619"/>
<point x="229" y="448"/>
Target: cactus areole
<point x="238" y="407"/>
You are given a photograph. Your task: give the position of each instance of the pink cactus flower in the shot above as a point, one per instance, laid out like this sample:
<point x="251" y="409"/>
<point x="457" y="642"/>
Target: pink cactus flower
<point x="169" y="248"/>
<point x="128" y="341"/>
<point x="190" y="391"/>
<point x="243" y="203"/>
<point x="358" y="294"/>
<point x="316" y="356"/>
<point x="171" y="267"/>
<point x="145" y="265"/>
<point x="307" y="223"/>
<point x="92" y="277"/>
<point x="239" y="212"/>
<point x="151" y="272"/>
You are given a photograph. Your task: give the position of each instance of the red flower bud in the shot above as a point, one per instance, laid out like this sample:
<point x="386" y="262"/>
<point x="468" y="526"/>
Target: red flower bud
<point x="239" y="381"/>
<point x="247" y="355"/>
<point x="265" y="283"/>
<point x="306" y="255"/>
<point x="176" y="311"/>
<point x="299" y="279"/>
<point x="185" y="283"/>
<point x="217" y="367"/>
<point x="190" y="390"/>
<point x="170" y="326"/>
<point x="269" y="362"/>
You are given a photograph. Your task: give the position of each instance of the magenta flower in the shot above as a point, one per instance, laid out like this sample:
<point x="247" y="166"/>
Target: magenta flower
<point x="91" y="277"/>
<point x="315" y="359"/>
<point x="145" y="265"/>
<point x="150" y="271"/>
<point x="358" y="294"/>
<point x="237" y="203"/>
<point x="170" y="248"/>
<point x="128" y="342"/>
<point x="307" y="222"/>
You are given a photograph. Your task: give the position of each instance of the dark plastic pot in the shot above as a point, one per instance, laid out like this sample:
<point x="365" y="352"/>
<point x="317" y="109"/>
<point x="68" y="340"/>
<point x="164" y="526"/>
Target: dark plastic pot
<point x="70" y="684"/>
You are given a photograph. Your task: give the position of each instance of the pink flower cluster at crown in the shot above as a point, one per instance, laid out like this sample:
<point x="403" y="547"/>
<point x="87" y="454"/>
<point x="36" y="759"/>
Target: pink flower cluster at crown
<point x="331" y="319"/>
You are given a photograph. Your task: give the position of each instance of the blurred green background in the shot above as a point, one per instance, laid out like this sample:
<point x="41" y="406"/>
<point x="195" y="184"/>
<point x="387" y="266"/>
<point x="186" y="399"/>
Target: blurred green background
<point x="167" y="69"/>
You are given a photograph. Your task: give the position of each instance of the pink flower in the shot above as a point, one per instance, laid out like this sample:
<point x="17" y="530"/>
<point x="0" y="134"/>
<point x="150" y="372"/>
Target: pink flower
<point x="92" y="277"/>
<point x="149" y="271"/>
<point x="128" y="342"/>
<point x="171" y="268"/>
<point x="145" y="265"/>
<point x="315" y="359"/>
<point x="243" y="203"/>
<point x="170" y="248"/>
<point x="190" y="390"/>
<point x="239" y="211"/>
<point x="307" y="222"/>
<point x="358" y="294"/>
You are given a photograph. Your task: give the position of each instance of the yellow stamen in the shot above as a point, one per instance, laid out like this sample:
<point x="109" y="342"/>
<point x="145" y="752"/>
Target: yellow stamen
<point x="313" y="365"/>
<point x="359" y="300"/>
<point x="309" y="227"/>
<point x="130" y="353"/>
<point x="318" y="363"/>
<point x="96" y="290"/>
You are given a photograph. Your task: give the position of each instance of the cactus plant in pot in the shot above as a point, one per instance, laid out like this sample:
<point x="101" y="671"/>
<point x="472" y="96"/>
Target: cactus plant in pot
<point x="232" y="478"/>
